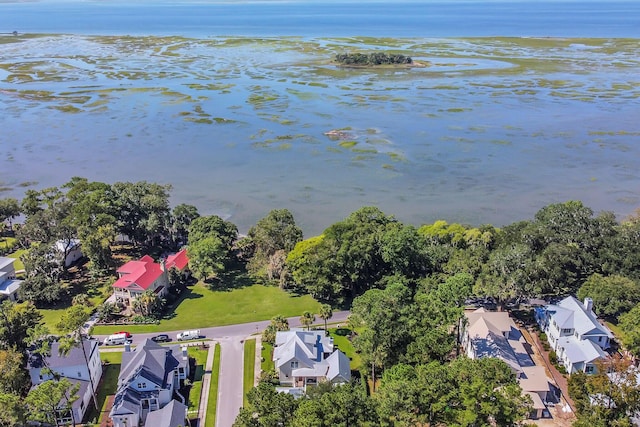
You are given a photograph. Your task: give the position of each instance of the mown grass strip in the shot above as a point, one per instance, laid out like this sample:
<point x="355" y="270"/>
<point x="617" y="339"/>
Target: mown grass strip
<point x="212" y="402"/>
<point x="249" y="367"/>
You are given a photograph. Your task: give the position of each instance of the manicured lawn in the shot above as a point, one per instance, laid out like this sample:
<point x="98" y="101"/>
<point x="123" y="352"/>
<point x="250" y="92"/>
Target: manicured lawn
<point x="249" y="367"/>
<point x="212" y="403"/>
<point x="112" y="357"/>
<point x="51" y="317"/>
<point x="203" y="308"/>
<point x="109" y="382"/>
<point x="18" y="264"/>
<point x="196" y="388"/>
<point x="343" y="343"/>
<point x="267" y="364"/>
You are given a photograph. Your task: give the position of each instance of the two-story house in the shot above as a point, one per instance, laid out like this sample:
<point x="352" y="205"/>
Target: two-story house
<point x="136" y="277"/>
<point x="574" y="333"/>
<point x="149" y="379"/>
<point x="307" y="357"/>
<point x="494" y="334"/>
<point x="84" y="370"/>
<point x="9" y="285"/>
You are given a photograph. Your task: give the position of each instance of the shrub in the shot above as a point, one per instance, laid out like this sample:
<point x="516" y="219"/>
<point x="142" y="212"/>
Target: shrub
<point x="553" y="357"/>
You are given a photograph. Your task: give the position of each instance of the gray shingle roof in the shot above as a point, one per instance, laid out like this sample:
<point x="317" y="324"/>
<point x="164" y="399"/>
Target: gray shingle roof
<point x="172" y="415"/>
<point x="74" y="358"/>
<point x="151" y="360"/>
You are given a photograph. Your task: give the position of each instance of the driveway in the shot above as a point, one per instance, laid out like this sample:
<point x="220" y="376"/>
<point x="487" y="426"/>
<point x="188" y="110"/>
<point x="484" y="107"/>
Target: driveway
<point x="231" y="340"/>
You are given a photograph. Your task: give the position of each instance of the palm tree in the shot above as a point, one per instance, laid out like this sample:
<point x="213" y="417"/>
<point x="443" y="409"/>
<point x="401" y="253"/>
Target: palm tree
<point x="326" y="312"/>
<point x="307" y="319"/>
<point x="147" y="303"/>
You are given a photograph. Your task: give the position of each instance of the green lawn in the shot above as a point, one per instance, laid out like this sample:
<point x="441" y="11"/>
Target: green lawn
<point x="267" y="364"/>
<point x="196" y="387"/>
<point x="109" y="382"/>
<point x="51" y="317"/>
<point x="203" y="308"/>
<point x="212" y="403"/>
<point x="345" y="346"/>
<point x="18" y="264"/>
<point x="616" y="331"/>
<point x="249" y="367"/>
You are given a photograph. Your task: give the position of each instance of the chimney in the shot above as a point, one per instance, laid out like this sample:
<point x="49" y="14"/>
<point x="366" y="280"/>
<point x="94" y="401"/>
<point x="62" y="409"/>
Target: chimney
<point x="127" y="346"/>
<point x="185" y="356"/>
<point x="319" y="348"/>
<point x="588" y="304"/>
<point x="163" y="264"/>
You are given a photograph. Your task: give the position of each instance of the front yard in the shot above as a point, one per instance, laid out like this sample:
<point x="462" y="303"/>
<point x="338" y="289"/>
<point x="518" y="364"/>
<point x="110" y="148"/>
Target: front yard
<point x="200" y="356"/>
<point x="202" y="308"/>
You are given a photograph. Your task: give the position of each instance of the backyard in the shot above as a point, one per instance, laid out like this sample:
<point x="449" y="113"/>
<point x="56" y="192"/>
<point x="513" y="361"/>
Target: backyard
<point x="202" y="307"/>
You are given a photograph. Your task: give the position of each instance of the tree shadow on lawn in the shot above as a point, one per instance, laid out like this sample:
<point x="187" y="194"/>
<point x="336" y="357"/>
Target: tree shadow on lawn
<point x="235" y="277"/>
<point x="186" y="294"/>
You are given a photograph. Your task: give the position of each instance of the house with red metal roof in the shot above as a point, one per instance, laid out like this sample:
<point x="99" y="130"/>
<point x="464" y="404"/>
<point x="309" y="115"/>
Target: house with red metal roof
<point x="180" y="262"/>
<point x="136" y="277"/>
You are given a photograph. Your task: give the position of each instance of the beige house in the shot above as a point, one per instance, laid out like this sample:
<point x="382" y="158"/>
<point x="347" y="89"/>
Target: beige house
<point x="494" y="334"/>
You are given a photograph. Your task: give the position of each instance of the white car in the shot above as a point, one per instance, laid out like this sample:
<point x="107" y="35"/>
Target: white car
<point x="189" y="335"/>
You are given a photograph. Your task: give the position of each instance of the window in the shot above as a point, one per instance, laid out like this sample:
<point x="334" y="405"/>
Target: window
<point x="294" y="364"/>
<point x="142" y="385"/>
<point x="79" y="374"/>
<point x="599" y="339"/>
<point x="81" y="405"/>
<point x="567" y="331"/>
<point x="589" y="369"/>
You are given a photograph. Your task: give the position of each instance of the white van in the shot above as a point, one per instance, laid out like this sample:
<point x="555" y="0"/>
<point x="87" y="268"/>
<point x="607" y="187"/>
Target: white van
<point x="189" y="335"/>
<point x="116" y="339"/>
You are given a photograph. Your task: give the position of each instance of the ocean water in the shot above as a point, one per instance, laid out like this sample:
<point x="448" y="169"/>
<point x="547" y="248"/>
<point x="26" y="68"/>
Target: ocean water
<point x="518" y="104"/>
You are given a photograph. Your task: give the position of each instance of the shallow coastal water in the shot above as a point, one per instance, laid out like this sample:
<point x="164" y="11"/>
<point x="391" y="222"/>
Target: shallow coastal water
<point x="489" y="131"/>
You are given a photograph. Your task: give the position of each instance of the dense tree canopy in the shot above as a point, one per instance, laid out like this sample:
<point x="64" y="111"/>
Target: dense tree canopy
<point x="273" y="237"/>
<point x="611" y="295"/>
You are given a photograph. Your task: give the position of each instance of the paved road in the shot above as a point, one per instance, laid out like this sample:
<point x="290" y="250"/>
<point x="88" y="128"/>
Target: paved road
<point x="240" y="331"/>
<point x="231" y="340"/>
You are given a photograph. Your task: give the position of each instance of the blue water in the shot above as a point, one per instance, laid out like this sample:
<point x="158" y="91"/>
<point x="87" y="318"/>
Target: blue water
<point x="493" y="130"/>
<point x="451" y="18"/>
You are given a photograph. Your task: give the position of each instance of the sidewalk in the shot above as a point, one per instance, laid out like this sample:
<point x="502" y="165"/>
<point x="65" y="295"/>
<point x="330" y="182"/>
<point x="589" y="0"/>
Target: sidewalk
<point x="206" y="383"/>
<point x="258" y="369"/>
<point x="559" y="379"/>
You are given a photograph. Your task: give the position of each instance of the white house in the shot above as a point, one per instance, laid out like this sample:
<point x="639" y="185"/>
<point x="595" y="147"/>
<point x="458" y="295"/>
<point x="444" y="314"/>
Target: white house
<point x="494" y="334"/>
<point x="307" y="357"/>
<point x="75" y="368"/>
<point x="136" y="277"/>
<point x="72" y="248"/>
<point x="574" y="333"/>
<point x="150" y="376"/>
<point x="9" y="285"/>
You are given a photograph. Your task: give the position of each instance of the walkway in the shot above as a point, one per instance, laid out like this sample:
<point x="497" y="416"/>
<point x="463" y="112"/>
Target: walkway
<point x="558" y="378"/>
<point x="206" y="383"/>
<point x="258" y="368"/>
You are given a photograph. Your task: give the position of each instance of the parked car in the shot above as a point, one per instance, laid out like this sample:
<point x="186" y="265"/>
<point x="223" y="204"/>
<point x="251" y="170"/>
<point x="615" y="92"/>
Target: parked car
<point x="189" y="335"/>
<point x="116" y="339"/>
<point x="126" y="334"/>
<point x="161" y="338"/>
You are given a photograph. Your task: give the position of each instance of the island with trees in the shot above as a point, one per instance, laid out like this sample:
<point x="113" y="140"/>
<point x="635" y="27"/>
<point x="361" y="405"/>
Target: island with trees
<point x="373" y="59"/>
